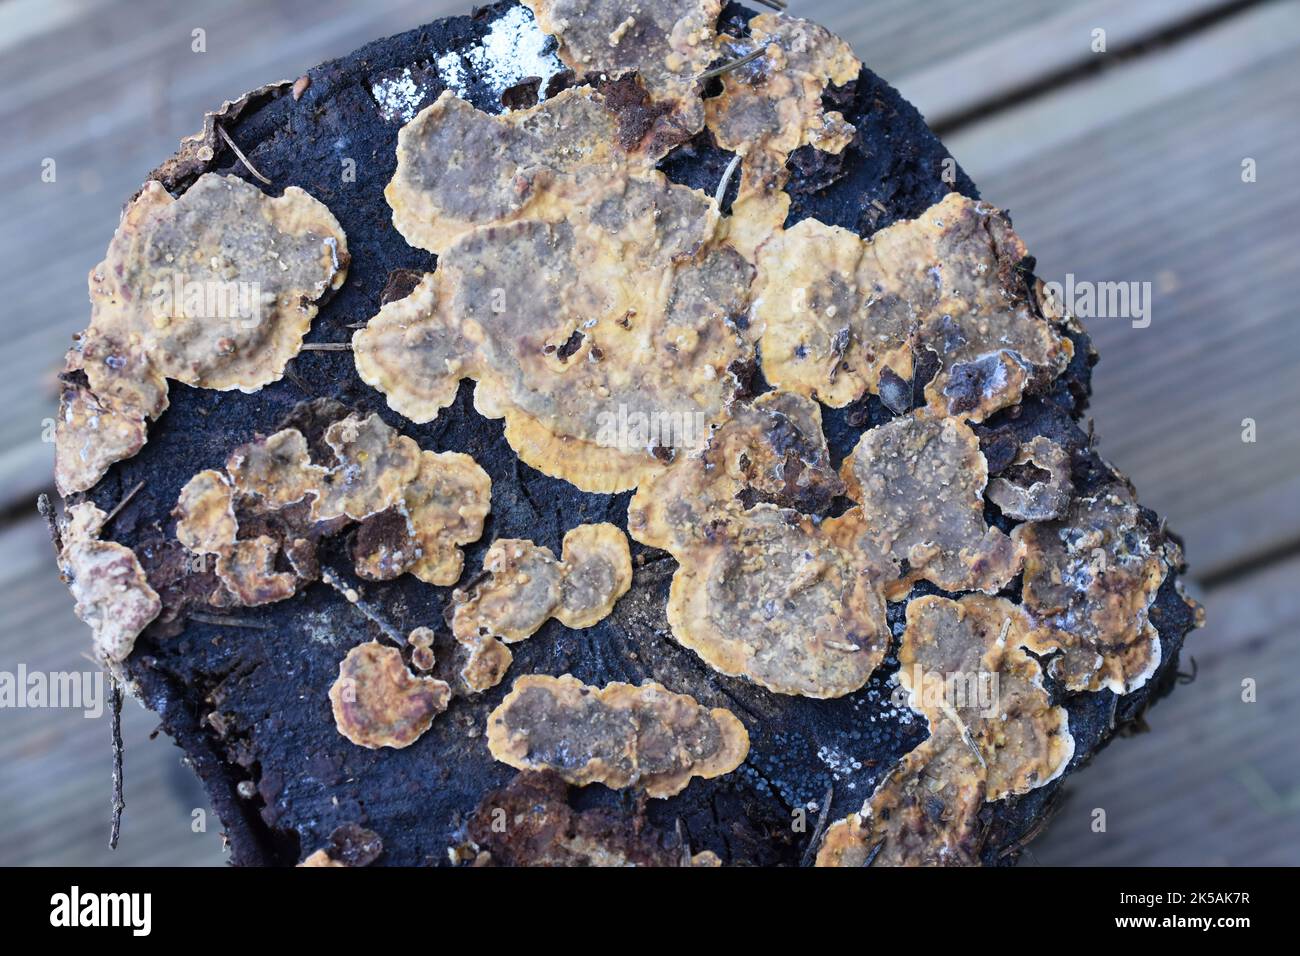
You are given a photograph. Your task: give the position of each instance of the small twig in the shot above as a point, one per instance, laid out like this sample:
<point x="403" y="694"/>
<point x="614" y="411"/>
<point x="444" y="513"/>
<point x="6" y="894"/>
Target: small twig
<point x="820" y="828"/>
<point x="727" y="67"/>
<point x="119" y="800"/>
<point x="873" y="853"/>
<point x="224" y="621"/>
<point x="684" y="843"/>
<point x="774" y="4"/>
<point x="51" y="522"/>
<point x="242" y="158"/>
<point x="726" y="180"/>
<point x="120" y="505"/>
<point x="330" y="577"/>
<point x="327" y="347"/>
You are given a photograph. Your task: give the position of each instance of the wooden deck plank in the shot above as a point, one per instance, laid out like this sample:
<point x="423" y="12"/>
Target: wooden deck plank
<point x="1154" y="193"/>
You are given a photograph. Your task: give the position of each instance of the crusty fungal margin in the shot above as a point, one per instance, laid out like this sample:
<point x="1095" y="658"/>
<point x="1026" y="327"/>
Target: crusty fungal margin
<point x="378" y="702"/>
<point x="764" y="590"/>
<point x="416" y="508"/>
<point x="993" y="733"/>
<point x="111" y="591"/>
<point x="619" y="735"/>
<point x="531" y="822"/>
<point x="772" y="105"/>
<point x="525" y="586"/>
<point x="442" y="508"/>
<point x="920" y="481"/>
<point x="1090" y="580"/>
<point x="1036" y="485"/>
<point x="215" y="289"/>
<point x="459" y="168"/>
<point x="598" y="372"/>
<point x="835" y="311"/>
<point x="666" y="43"/>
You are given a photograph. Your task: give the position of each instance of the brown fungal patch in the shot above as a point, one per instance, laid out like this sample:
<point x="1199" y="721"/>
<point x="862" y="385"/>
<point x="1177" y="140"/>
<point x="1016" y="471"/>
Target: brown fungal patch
<point x="109" y="587"/>
<point x="772" y="105"/>
<point x="415" y="508"/>
<point x="458" y="167"/>
<point x="89" y="437"/>
<point x="596" y="366"/>
<point x="993" y="733"/>
<point x="350" y="845"/>
<point x="920" y="482"/>
<point x="378" y="702"/>
<point x="666" y="44"/>
<point x="525" y="586"/>
<point x="836" y="311"/>
<point x="1090" y="579"/>
<point x="442" y="508"/>
<point x="375" y="465"/>
<point x="531" y="822"/>
<point x="1036" y="485"/>
<point x="619" y="735"/>
<point x="215" y="289"/>
<point x="763" y="589"/>
<point x="597" y="572"/>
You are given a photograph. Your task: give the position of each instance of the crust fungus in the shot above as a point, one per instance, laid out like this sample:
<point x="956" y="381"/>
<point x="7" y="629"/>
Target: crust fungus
<point x="836" y="311"/>
<point x="531" y="822"/>
<point x="525" y="586"/>
<point x="111" y="591"/>
<point x="215" y="289"/>
<point x="764" y="590"/>
<point x="993" y="733"/>
<point x="772" y="104"/>
<point x="441" y="509"/>
<point x="619" y="735"/>
<point x="596" y="367"/>
<point x="667" y="44"/>
<point x="459" y="168"/>
<point x="920" y="481"/>
<point x="416" y="508"/>
<point x="1036" y="485"/>
<point x="1090" y="579"/>
<point x="378" y="702"/>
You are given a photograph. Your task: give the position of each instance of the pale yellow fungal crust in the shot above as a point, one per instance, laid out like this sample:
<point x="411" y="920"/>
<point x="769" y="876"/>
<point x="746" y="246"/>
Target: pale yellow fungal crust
<point x="278" y="470"/>
<point x="525" y="586"/>
<point x="772" y="105"/>
<point x="375" y="465"/>
<point x="437" y="500"/>
<point x="459" y="168"/>
<point x="598" y="371"/>
<point x="1036" y="486"/>
<point x="832" y="317"/>
<point x="441" y="509"/>
<point x="215" y="289"/>
<point x="110" y="589"/>
<point x="920" y="481"/>
<point x="619" y="735"/>
<point x="90" y="436"/>
<point x="378" y="702"/>
<point x="597" y="572"/>
<point x="1090" y="579"/>
<point x="205" y="514"/>
<point x="993" y="733"/>
<point x="487" y="663"/>
<point x="763" y="589"/>
<point x="667" y="44"/>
